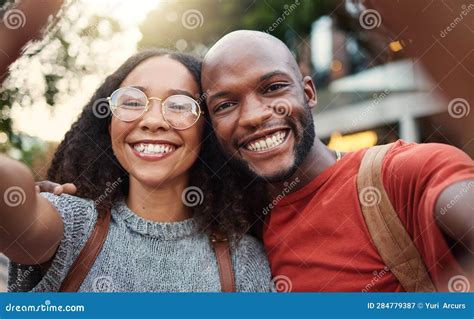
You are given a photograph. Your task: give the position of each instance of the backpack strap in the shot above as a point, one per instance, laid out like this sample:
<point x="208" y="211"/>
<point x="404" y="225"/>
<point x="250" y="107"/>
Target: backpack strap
<point x="221" y="247"/>
<point x="388" y="233"/>
<point x="83" y="263"/>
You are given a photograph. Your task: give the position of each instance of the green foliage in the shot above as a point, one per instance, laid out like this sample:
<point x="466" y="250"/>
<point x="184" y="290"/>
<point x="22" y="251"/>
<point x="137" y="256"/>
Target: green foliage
<point x="64" y="55"/>
<point x="282" y="18"/>
<point x="198" y="22"/>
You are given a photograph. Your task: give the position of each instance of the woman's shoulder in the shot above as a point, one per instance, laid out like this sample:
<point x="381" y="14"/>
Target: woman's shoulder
<point x="79" y="215"/>
<point x="250" y="248"/>
<point x="64" y="201"/>
<point x="73" y="208"/>
<point x="248" y="241"/>
<point x="252" y="271"/>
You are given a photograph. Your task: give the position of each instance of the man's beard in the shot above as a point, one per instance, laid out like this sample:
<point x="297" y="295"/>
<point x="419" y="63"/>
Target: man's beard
<point x="301" y="151"/>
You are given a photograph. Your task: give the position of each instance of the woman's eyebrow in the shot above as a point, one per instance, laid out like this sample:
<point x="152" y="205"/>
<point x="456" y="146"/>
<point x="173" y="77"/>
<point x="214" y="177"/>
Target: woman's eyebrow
<point x="180" y="92"/>
<point x="141" y="88"/>
<point x="169" y="93"/>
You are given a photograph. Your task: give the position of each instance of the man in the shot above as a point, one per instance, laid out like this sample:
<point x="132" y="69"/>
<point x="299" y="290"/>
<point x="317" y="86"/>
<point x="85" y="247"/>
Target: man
<point x="316" y="237"/>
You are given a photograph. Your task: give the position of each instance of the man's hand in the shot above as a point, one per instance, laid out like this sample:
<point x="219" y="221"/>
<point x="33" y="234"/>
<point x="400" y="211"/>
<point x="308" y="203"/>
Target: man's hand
<point x="55" y="188"/>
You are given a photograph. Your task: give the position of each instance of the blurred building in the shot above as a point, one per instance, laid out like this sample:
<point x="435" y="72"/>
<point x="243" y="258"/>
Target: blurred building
<point x="370" y="96"/>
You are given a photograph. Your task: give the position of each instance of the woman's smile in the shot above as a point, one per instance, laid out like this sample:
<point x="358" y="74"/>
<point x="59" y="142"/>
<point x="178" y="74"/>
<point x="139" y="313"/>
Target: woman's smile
<point x="153" y="150"/>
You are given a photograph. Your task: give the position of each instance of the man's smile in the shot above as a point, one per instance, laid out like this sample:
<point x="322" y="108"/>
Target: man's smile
<point x="266" y="141"/>
<point x="267" y="144"/>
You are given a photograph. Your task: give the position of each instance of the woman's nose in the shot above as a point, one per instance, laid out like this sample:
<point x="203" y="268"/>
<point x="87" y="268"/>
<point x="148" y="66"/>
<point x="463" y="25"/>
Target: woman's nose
<point x="153" y="119"/>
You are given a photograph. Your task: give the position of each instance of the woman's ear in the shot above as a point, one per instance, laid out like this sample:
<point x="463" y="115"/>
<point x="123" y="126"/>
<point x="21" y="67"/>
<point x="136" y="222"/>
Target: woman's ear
<point x="310" y="91"/>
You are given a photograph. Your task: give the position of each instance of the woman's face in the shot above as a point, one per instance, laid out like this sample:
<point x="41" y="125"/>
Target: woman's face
<point x="133" y="143"/>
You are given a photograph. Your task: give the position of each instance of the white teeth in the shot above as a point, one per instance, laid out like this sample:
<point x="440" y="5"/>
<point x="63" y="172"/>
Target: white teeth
<point x="152" y="148"/>
<point x="267" y="142"/>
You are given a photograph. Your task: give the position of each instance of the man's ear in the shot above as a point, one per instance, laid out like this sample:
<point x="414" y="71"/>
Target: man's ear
<point x="310" y="91"/>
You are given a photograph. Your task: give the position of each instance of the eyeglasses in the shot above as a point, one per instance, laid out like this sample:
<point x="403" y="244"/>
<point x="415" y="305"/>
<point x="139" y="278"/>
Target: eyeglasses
<point x="179" y="111"/>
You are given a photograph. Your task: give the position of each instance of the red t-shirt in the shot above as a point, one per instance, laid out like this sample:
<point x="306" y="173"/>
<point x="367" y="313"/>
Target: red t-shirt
<point x="317" y="236"/>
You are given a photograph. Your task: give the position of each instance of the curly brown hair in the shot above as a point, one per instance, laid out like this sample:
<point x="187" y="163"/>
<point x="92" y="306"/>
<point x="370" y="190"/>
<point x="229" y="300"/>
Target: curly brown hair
<point x="232" y="201"/>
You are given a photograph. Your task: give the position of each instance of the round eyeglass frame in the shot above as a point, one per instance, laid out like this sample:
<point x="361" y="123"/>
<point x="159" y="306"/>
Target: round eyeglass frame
<point x="114" y="107"/>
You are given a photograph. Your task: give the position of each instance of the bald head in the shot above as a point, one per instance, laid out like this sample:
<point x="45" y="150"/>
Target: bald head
<point x="245" y="46"/>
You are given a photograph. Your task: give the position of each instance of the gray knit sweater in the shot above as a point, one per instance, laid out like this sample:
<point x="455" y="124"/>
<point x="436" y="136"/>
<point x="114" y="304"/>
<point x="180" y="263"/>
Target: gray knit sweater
<point x="141" y="255"/>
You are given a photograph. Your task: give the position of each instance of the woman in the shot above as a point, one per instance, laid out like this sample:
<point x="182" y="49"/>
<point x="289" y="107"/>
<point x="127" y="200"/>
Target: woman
<point x="151" y="162"/>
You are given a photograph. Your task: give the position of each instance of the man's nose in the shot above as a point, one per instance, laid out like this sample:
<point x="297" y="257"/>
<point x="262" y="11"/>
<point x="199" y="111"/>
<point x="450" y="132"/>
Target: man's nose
<point x="254" y="113"/>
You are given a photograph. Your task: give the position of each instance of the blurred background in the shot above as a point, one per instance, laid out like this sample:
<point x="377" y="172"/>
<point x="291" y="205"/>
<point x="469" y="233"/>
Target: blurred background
<point x="383" y="71"/>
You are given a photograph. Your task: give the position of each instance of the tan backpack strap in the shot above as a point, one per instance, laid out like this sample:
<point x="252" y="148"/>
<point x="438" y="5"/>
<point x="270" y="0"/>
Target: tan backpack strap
<point x="224" y="262"/>
<point x="385" y="227"/>
<point x="83" y="263"/>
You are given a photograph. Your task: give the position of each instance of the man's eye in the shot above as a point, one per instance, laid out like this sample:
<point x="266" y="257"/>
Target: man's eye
<point x="275" y="87"/>
<point x="223" y="106"/>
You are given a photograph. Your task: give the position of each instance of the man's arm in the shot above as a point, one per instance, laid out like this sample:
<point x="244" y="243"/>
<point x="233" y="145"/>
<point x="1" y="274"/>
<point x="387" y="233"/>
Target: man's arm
<point x="454" y="213"/>
<point x="30" y="227"/>
<point x="431" y="186"/>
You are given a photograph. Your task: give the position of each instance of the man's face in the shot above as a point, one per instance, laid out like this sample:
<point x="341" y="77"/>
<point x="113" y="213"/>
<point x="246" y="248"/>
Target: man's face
<point x="260" y="109"/>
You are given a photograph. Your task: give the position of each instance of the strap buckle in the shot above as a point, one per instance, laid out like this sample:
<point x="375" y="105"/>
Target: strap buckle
<point x="215" y="238"/>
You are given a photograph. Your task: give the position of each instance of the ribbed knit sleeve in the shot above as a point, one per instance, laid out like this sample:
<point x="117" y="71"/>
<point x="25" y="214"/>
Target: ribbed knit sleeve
<point x="252" y="271"/>
<point x="79" y="217"/>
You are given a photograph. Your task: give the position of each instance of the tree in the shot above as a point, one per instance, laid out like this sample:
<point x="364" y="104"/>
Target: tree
<point x="191" y="25"/>
<point x="195" y="25"/>
<point x="291" y="22"/>
<point x="72" y="50"/>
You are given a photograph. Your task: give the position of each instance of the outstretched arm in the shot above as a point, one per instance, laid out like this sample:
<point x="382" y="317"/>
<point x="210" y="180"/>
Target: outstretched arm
<point x="30" y="227"/>
<point x="454" y="214"/>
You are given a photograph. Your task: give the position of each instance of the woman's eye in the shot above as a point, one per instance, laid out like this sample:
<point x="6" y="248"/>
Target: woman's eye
<point x="132" y="104"/>
<point x="223" y="106"/>
<point x="179" y="107"/>
<point x="275" y="87"/>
